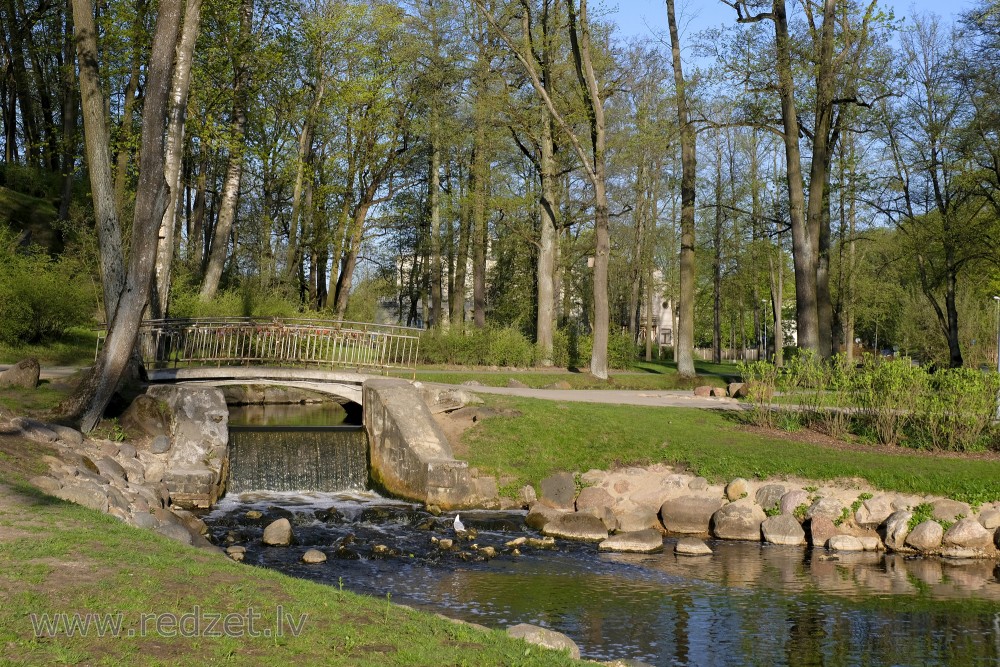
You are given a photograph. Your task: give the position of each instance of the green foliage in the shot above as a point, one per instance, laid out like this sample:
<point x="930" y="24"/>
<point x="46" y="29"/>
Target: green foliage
<point x="920" y="513"/>
<point x="249" y="299"/>
<point x="41" y="298"/>
<point x="957" y="409"/>
<point x="509" y="347"/>
<point x="477" y="347"/>
<point x="800" y="512"/>
<point x="884" y="391"/>
<point x="622" y="350"/>
<point x="761" y="379"/>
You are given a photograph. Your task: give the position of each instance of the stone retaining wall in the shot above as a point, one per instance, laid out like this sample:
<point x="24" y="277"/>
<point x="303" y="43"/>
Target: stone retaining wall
<point x="850" y="516"/>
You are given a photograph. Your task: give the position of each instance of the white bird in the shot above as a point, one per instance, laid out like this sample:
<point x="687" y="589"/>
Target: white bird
<point x="459" y="526"/>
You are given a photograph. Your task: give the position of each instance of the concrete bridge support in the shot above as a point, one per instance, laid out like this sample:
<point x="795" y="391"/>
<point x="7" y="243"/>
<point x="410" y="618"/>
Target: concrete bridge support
<point x="410" y="456"/>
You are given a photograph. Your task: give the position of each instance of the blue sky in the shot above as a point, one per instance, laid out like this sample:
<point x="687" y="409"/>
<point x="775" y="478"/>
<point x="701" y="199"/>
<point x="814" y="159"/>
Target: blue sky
<point x="644" y="17"/>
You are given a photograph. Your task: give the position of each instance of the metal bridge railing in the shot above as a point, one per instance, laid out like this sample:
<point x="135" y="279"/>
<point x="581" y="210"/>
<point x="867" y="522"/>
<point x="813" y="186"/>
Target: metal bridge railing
<point x="292" y="342"/>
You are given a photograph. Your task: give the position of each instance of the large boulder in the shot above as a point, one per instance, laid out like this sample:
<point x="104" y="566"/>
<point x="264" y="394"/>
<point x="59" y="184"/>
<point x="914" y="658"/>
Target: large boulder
<point x="577" y="526"/>
<point x="278" y="533"/>
<point x="897" y="527"/>
<point x="782" y="529"/>
<point x="968" y="533"/>
<point x="990" y="518"/>
<point x="84" y="492"/>
<point x="640" y="518"/>
<point x="738" y="521"/>
<point x="831" y="508"/>
<point x="146" y="417"/>
<point x="558" y="491"/>
<point x="689" y="515"/>
<point x="541" y="515"/>
<point x="926" y="536"/>
<point x="845" y="543"/>
<point x="736" y="489"/>
<point x="873" y="512"/>
<point x="821" y="529"/>
<point x="546" y="638"/>
<point x="692" y="546"/>
<point x="24" y="374"/>
<point x="593" y="497"/>
<point x="949" y="510"/>
<point x="792" y="500"/>
<point x="769" y="495"/>
<point x="641" y="541"/>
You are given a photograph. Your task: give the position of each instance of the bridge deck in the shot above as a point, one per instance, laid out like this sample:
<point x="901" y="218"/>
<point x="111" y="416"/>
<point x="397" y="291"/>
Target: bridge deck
<point x="345" y="384"/>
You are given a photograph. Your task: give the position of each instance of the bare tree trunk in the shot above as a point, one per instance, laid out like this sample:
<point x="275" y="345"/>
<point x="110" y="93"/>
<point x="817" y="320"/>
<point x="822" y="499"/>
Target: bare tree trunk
<point x="480" y="231"/>
<point x="434" y="197"/>
<point x="685" y="333"/>
<point x="97" y="141"/>
<point x="218" y="251"/>
<point x="69" y="116"/>
<point x="457" y="294"/>
<point x="94" y="393"/>
<point x="547" y="245"/>
<point x="803" y="253"/>
<point x="179" y="88"/>
<point x="304" y="159"/>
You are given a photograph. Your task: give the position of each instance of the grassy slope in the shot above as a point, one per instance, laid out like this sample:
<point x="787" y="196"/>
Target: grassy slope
<point x="548" y="437"/>
<point x="23" y="212"/>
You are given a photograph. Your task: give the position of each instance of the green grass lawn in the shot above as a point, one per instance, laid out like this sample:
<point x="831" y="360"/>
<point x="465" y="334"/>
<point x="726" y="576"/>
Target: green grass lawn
<point x="545" y="437"/>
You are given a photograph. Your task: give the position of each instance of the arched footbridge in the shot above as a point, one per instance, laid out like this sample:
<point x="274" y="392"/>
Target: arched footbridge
<point x="325" y="356"/>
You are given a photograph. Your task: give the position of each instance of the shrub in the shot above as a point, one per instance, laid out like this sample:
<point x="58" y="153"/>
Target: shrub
<point x="885" y="391"/>
<point x="622" y="351"/>
<point x="761" y="380"/>
<point x="957" y="409"/>
<point x="41" y="298"/>
<point x="510" y="347"/>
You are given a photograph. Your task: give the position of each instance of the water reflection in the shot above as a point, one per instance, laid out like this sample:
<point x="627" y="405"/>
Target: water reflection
<point x="747" y="604"/>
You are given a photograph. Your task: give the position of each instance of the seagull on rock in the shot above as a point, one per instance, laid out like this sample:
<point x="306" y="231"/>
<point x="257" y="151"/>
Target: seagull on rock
<point x="459" y="526"/>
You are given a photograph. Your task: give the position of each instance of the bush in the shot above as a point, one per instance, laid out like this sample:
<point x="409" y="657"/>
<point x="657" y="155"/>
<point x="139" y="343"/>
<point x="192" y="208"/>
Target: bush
<point x="41" y="298"/>
<point x="957" y="409"/>
<point x="622" y="350"/>
<point x="885" y="391"/>
<point x="477" y="347"/>
<point x="761" y="380"/>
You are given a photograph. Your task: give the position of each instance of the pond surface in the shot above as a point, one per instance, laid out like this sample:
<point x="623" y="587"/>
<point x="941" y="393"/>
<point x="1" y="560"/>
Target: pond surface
<point x="747" y="604"/>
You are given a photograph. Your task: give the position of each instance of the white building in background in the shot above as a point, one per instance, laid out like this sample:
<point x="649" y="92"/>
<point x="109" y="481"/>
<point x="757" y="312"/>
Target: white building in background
<point x="664" y="323"/>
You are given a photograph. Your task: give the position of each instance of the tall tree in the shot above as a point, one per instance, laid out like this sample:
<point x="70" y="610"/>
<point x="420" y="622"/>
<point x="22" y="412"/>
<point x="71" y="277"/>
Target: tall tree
<point x="88" y="402"/>
<point x="685" y="334"/>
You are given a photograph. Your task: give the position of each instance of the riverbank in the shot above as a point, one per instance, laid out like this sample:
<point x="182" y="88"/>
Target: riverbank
<point x="72" y="563"/>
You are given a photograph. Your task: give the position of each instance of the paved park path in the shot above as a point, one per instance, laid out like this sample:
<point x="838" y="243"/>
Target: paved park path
<point x="651" y="398"/>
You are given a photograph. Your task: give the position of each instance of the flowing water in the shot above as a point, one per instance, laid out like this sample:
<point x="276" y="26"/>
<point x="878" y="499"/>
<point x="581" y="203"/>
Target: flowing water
<point x="747" y="604"/>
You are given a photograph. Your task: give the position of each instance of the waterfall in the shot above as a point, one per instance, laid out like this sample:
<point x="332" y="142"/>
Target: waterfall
<point x="297" y="459"/>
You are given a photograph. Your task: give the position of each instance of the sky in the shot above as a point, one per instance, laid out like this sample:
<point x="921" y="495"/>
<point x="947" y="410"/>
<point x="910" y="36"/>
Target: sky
<point x="647" y="17"/>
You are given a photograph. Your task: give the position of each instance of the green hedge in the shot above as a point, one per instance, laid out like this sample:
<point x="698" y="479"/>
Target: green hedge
<point x="508" y="346"/>
<point x="890" y="401"/>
